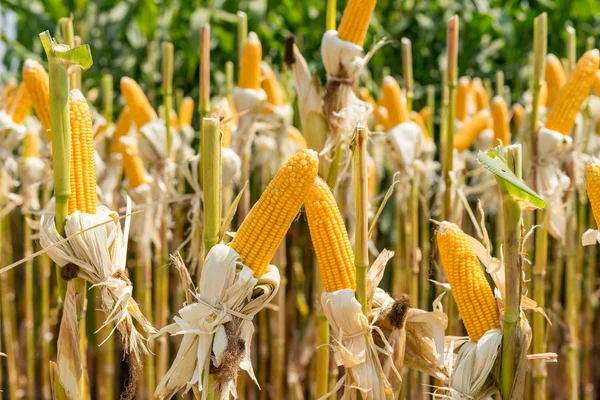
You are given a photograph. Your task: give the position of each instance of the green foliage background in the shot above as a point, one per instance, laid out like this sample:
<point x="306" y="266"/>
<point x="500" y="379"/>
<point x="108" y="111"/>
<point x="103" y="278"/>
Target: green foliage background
<point x="125" y="35"/>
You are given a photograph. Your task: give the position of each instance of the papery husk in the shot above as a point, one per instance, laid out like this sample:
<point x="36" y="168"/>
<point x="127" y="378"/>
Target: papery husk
<point x="11" y="135"/>
<point x="153" y="143"/>
<point x="100" y="254"/>
<point x="249" y="103"/>
<point x="32" y="171"/>
<point x="343" y="62"/>
<point x="551" y="181"/>
<point x="406" y="144"/>
<point x="190" y="170"/>
<point x="110" y="179"/>
<point x="228" y="298"/>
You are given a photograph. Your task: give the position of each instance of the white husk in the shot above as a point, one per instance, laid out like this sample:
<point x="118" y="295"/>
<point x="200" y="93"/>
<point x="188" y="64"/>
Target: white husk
<point x="552" y="182"/>
<point x="11" y="135"/>
<point x="110" y="179"/>
<point x="100" y="253"/>
<point x="249" y="103"/>
<point x="231" y="166"/>
<point x="354" y="348"/>
<point x="32" y="171"/>
<point x="485" y="140"/>
<point x="228" y="293"/>
<point x="309" y="89"/>
<point x="153" y="142"/>
<point x="407" y="143"/>
<point x="339" y="55"/>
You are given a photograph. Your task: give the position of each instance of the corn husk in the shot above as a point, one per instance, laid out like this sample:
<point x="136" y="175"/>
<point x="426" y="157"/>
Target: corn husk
<point x="98" y="247"/>
<point x="153" y="143"/>
<point x="249" y="103"/>
<point x="213" y="322"/>
<point x="552" y="182"/>
<point x="32" y="171"/>
<point x="407" y="143"/>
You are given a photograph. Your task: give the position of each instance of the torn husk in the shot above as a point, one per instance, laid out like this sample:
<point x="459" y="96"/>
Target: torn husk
<point x="217" y="326"/>
<point x="96" y="251"/>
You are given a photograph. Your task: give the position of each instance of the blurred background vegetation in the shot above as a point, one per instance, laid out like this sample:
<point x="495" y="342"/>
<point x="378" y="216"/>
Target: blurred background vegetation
<point x="125" y="35"/>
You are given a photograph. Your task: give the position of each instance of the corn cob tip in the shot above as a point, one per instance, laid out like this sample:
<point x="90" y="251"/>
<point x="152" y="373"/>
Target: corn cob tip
<point x="76" y="94"/>
<point x="30" y="64"/>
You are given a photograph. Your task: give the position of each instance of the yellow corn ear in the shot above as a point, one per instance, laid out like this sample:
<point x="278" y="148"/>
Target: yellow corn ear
<point x="38" y="86"/>
<point x="122" y="128"/>
<point x="417" y="119"/>
<point x="382" y="117"/>
<point x="570" y="98"/>
<point x="471" y="290"/>
<point x="471" y="130"/>
<point x="83" y="170"/>
<point x="592" y="185"/>
<point x="364" y="95"/>
<point x="425" y="114"/>
<point x="267" y="223"/>
<point x="139" y="106"/>
<point x="8" y="95"/>
<point x="543" y="102"/>
<point x="272" y="88"/>
<point x="517" y="117"/>
<point x="371" y="177"/>
<point x="597" y="83"/>
<point x="31" y="144"/>
<point x="330" y="239"/>
<point x="133" y="166"/>
<point x="462" y="99"/>
<point x="186" y="111"/>
<point x="482" y="100"/>
<point x="20" y="105"/>
<point x="297" y="137"/>
<point x="391" y="98"/>
<point x="249" y="77"/>
<point x="355" y="21"/>
<point x="500" y="117"/>
<point x="555" y="78"/>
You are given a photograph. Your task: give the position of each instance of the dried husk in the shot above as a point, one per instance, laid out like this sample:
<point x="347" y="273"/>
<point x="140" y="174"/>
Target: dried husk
<point x="214" y="323"/>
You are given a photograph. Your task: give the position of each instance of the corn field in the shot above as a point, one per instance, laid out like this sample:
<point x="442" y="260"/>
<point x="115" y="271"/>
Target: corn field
<point x="297" y="221"/>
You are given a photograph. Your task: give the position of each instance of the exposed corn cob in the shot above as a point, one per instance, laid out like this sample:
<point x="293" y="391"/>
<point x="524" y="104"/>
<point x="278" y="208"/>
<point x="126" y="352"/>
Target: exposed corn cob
<point x="592" y="186"/>
<point x="364" y="95"/>
<point x="121" y="129"/>
<point x="330" y="239"/>
<point x="297" y="137"/>
<point x="500" y="117"/>
<point x="555" y="78"/>
<point x="470" y="288"/>
<point x="562" y="116"/>
<point x="272" y="88"/>
<point x="467" y="135"/>
<point x="133" y="166"/>
<point x="417" y="119"/>
<point x="31" y="144"/>
<point x="518" y="114"/>
<point x="355" y="21"/>
<point x="597" y="84"/>
<point x="38" y="87"/>
<point x="372" y="177"/>
<point x="482" y="100"/>
<point x="8" y="94"/>
<point x="391" y="98"/>
<point x="186" y="111"/>
<point x="83" y="170"/>
<point x="382" y="117"/>
<point x="250" y="64"/>
<point x="20" y="105"/>
<point x="425" y="114"/>
<point x="462" y="99"/>
<point x="267" y="223"/>
<point x="543" y="95"/>
<point x="139" y="106"/>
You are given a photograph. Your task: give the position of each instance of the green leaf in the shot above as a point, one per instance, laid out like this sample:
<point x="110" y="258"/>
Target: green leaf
<point x="508" y="181"/>
<point x="80" y="55"/>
